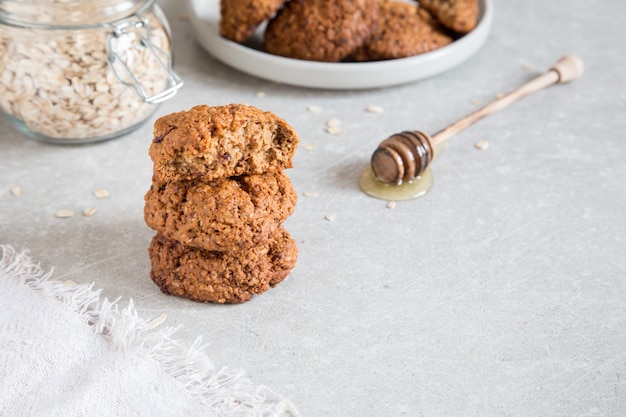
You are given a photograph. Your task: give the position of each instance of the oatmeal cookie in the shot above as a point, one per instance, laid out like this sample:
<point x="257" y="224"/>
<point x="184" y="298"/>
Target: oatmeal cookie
<point x="321" y="30"/>
<point x="405" y="30"/>
<point x="459" y="15"/>
<point x="220" y="277"/>
<point x="240" y="18"/>
<point x="207" y="143"/>
<point x="228" y="214"/>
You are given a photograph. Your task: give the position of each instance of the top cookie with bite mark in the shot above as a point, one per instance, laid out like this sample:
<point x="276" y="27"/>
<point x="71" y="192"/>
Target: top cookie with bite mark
<point x="207" y="143"/>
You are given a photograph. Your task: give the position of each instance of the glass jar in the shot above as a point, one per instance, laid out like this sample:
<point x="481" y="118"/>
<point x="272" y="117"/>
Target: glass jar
<point x="76" y="71"/>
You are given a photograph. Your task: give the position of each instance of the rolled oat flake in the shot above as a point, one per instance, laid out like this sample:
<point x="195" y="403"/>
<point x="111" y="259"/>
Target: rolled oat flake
<point x="83" y="71"/>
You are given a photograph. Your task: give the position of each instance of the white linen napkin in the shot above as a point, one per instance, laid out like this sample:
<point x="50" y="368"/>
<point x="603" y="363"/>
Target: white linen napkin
<point x="67" y="351"/>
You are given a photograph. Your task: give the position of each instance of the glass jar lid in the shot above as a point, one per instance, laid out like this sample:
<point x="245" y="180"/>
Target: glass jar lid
<point x="68" y="13"/>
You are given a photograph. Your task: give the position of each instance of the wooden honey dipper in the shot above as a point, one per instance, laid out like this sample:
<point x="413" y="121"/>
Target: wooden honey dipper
<point x="404" y="156"/>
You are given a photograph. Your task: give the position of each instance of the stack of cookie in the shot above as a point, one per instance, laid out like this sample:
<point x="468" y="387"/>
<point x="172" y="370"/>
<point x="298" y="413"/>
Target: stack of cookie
<point x="218" y="201"/>
<point x="348" y="30"/>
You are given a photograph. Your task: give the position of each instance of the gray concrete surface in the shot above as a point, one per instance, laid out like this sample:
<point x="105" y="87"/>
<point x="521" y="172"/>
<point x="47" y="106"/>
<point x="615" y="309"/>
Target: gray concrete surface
<point x="500" y="293"/>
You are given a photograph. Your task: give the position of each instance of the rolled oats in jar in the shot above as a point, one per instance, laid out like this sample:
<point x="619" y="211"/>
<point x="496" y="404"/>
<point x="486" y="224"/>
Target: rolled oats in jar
<point x="75" y="71"/>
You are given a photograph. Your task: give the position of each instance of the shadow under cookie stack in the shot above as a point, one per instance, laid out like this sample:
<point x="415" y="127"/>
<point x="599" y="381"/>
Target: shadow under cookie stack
<point x="218" y="201"/>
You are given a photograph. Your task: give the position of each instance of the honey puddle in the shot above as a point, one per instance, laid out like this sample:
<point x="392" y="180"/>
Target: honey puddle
<point x="408" y="190"/>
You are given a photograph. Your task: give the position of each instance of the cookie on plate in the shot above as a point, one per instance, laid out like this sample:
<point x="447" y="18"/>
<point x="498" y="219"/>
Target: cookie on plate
<point x="207" y="143"/>
<point x="220" y="277"/>
<point x="240" y="18"/>
<point x="321" y="30"/>
<point x="459" y="15"/>
<point x="405" y="30"/>
<point x="229" y="214"/>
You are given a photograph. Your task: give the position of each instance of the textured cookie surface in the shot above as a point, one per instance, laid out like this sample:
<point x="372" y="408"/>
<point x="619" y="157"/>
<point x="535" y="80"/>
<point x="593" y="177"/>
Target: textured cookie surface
<point x="405" y="30"/>
<point x="240" y="18"/>
<point x="222" y="141"/>
<point x="321" y="30"/>
<point x="458" y="15"/>
<point x="220" y="277"/>
<point x="223" y="215"/>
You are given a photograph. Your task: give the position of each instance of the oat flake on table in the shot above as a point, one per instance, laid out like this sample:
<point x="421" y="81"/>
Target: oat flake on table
<point x="63" y="214"/>
<point x="89" y="211"/>
<point x="374" y="109"/>
<point x="333" y="122"/>
<point x="482" y="145"/>
<point x="314" y="109"/>
<point x="336" y="131"/>
<point x="101" y="193"/>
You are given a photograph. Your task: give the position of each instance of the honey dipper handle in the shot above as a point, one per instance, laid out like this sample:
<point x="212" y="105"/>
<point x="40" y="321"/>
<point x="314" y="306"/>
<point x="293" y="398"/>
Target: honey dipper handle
<point x="567" y="69"/>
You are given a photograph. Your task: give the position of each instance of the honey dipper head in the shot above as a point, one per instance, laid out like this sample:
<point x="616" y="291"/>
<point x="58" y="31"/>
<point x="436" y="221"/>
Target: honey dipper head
<point x="402" y="157"/>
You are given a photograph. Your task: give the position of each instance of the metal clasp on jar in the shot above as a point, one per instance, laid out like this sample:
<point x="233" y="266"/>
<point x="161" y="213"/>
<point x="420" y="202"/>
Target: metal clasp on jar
<point x="119" y="42"/>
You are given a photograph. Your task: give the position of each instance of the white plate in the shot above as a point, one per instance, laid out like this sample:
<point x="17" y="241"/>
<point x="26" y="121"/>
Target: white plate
<point x="249" y="58"/>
